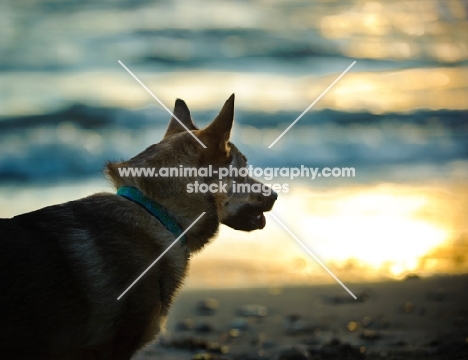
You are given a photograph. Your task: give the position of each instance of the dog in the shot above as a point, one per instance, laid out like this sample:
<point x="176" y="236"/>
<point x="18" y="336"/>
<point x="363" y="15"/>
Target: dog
<point x="62" y="267"/>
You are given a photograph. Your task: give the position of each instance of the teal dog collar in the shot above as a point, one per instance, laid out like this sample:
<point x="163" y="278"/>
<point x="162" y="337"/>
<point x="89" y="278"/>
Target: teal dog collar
<point x="154" y="209"/>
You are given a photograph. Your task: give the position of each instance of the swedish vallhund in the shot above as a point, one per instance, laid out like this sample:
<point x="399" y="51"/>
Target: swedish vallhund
<point x="63" y="267"/>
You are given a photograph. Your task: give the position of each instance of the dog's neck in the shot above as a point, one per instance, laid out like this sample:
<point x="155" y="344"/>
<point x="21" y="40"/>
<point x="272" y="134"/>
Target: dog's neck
<point x="183" y="214"/>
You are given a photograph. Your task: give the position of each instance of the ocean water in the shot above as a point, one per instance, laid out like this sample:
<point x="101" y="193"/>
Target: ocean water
<point x="399" y="116"/>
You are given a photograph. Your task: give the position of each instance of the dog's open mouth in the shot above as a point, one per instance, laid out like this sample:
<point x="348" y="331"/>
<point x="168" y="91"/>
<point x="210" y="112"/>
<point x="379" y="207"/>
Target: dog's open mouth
<point x="247" y="218"/>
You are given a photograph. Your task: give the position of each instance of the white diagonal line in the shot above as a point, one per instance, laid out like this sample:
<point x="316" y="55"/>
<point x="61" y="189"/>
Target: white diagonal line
<point x="161" y="103"/>
<point x="160" y="256"/>
<point x="313" y="255"/>
<point x="310" y="106"/>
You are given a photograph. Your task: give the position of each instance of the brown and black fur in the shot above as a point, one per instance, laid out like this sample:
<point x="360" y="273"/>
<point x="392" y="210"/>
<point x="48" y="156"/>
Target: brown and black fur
<point x="63" y="267"/>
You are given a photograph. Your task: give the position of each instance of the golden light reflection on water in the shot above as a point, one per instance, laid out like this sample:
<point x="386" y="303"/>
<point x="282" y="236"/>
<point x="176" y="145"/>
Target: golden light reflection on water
<point x="377" y="92"/>
<point x="401" y="30"/>
<point x="375" y="227"/>
<point x="403" y="90"/>
<point x="362" y="233"/>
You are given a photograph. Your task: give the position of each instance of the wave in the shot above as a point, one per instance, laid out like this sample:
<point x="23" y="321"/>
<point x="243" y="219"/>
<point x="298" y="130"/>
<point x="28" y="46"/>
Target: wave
<point x="77" y="141"/>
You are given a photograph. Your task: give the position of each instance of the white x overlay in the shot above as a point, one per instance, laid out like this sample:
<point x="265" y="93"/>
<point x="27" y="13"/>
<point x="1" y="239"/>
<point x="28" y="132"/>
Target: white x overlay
<point x="271" y="214"/>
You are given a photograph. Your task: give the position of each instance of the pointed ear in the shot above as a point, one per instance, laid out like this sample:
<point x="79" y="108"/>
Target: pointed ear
<point x="219" y="131"/>
<point x="182" y="113"/>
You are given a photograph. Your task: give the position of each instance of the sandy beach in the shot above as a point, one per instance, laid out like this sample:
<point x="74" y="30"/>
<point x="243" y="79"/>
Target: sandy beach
<point x="409" y="319"/>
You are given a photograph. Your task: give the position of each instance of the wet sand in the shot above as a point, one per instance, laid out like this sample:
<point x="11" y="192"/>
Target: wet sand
<point x="409" y="319"/>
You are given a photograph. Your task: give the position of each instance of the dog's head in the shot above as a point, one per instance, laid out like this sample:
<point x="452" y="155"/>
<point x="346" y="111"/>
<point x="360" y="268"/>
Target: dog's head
<point x="238" y="199"/>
